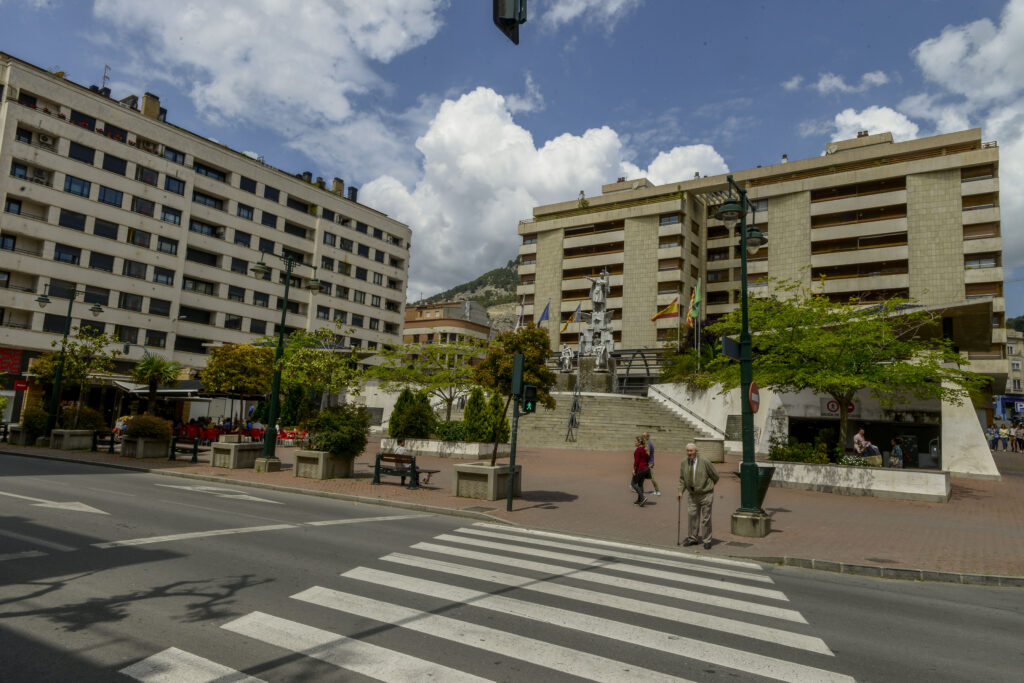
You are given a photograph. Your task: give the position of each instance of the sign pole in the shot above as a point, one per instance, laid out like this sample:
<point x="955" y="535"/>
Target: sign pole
<point x="517" y="389"/>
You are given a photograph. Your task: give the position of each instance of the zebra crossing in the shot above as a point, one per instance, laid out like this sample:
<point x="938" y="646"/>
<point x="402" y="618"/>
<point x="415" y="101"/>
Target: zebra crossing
<point x="489" y="602"/>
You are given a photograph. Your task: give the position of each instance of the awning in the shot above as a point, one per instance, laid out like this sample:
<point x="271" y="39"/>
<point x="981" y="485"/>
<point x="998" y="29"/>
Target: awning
<point x="187" y="390"/>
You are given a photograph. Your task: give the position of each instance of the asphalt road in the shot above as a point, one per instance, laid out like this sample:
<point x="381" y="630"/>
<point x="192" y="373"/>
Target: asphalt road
<point x="112" y="575"/>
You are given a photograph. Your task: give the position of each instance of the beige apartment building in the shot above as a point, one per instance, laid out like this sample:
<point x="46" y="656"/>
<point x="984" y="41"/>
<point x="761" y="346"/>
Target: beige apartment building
<point x="1015" y="359"/>
<point x="446" y="321"/>
<point x="161" y="227"/>
<point x="871" y="218"/>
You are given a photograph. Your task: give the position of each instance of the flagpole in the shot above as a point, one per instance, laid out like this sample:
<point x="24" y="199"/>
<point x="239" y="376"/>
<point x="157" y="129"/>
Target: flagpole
<point x="679" y="295"/>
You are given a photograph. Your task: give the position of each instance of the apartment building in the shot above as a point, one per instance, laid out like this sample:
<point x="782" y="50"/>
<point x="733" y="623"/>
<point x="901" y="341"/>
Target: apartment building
<point x="161" y="227"/>
<point x="446" y="321"/>
<point x="1015" y="358"/>
<point x="871" y="218"/>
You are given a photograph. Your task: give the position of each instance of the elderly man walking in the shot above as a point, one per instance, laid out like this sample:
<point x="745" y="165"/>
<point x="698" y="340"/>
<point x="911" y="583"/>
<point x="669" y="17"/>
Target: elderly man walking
<point x="698" y="477"/>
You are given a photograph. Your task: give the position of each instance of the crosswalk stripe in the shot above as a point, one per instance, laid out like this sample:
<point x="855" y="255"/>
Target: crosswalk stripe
<point x="618" y="582"/>
<point x="619" y="566"/>
<point x="24" y="555"/>
<point x="699" y="619"/>
<point x="191" y="535"/>
<point x="174" y="666"/>
<point x="680" y="563"/>
<point x="711" y="653"/>
<point x="367" y="659"/>
<point x="626" y="546"/>
<point x="360" y="520"/>
<point x="557" y="657"/>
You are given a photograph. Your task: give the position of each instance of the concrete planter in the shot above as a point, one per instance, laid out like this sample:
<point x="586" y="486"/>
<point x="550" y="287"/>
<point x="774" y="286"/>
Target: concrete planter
<point x="235" y="456"/>
<point x="712" y="449"/>
<point x="321" y="465"/>
<point x="459" y="450"/>
<point x="71" y="439"/>
<point x="483" y="481"/>
<point x="145" y="448"/>
<point x="864" y="481"/>
<point x="17" y="435"/>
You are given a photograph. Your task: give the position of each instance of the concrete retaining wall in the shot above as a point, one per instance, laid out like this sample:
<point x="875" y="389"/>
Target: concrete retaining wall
<point x="864" y="481"/>
<point x="460" y="450"/>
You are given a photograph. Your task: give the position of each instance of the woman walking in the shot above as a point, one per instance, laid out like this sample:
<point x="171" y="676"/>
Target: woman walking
<point x="641" y="471"/>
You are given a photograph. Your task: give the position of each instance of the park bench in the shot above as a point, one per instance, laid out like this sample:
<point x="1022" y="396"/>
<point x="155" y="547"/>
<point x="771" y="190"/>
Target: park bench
<point x="186" y="445"/>
<point x="102" y="437"/>
<point x="400" y="466"/>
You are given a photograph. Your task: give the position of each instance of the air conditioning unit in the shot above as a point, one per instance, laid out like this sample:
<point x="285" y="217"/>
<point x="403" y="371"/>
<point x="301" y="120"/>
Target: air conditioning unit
<point x="39" y="175"/>
<point x="45" y="139"/>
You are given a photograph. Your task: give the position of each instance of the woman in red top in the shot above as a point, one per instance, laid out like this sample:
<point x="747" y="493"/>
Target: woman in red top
<point x="641" y="471"/>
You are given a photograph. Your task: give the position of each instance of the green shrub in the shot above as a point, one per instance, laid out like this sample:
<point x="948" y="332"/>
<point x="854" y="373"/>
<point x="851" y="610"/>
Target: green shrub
<point x="795" y="451"/>
<point x="476" y="419"/>
<point x="88" y="418"/>
<point x="148" y="427"/>
<point x="449" y="431"/>
<point x="34" y="422"/>
<point x="498" y="427"/>
<point x="412" y="418"/>
<point x="397" y="421"/>
<point x="340" y="430"/>
<point x="297" y="406"/>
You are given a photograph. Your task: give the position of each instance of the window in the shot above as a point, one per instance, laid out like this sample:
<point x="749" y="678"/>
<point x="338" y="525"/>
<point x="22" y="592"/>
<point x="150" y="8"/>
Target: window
<point x="361" y="227"/>
<point x="669" y="220"/>
<point x="361" y="273"/>
<point x="12" y="206"/>
<point x="72" y="219"/>
<point x="327" y="262"/>
<point x="236" y="293"/>
<point x="357" y="320"/>
<point x="114" y="132"/>
<point x="7" y="242"/>
<point x="200" y="256"/>
<point x="167" y="245"/>
<point x="718" y="275"/>
<point x="174" y="185"/>
<point x="375" y="301"/>
<point x="143" y="206"/>
<point x="103" y="228"/>
<point x="258" y="326"/>
<point x="163" y="276"/>
<point x="247" y="184"/>
<point x="327" y="214"/>
<point x="207" y="200"/>
<point x="174" y="155"/>
<point x="232" y="322"/>
<point x="83" y="120"/>
<point x="340" y="315"/>
<point x="261" y="299"/>
<point x="156" y="338"/>
<point x="374" y="324"/>
<point x="170" y="215"/>
<point x="19" y="170"/>
<point x="109" y="195"/>
<point x="1016" y="385"/>
<point x="134" y="269"/>
<point x="363" y="250"/>
<point x="271" y="193"/>
<point x="296" y="204"/>
<point x="1015" y="365"/>
<point x="101" y="261"/>
<point x="201" y="286"/>
<point x="66" y="254"/>
<point x="245" y="211"/>
<point x="189" y="344"/>
<point x="115" y="164"/>
<point x="341" y="292"/>
<point x="53" y="323"/>
<point x="345" y="244"/>
<point x="269" y="219"/>
<point x="77" y="186"/>
<point x="130" y="302"/>
<point x="198" y="316"/>
<point x="378" y="256"/>
<point x="378" y="279"/>
<point x="267" y="246"/>
<point x="97" y="295"/>
<point x="355" y="343"/>
<point x="378" y="233"/>
<point x="293" y="229"/>
<point x="139" y="238"/>
<point x="239" y="266"/>
<point x="146" y="175"/>
<point x="209" y="172"/>
<point x="204" y="228"/>
<point x="323" y="313"/>
<point x="160" y="307"/>
<point x="23" y="135"/>
<point x="358" y="297"/>
<point x="330" y="238"/>
<point x="61" y="289"/>
<point x="126" y="334"/>
<point x="81" y="153"/>
<point x="243" y="238"/>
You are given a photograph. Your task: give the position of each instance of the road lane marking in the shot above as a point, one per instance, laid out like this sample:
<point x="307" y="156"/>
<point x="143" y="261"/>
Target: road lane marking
<point x="634" y="606"/>
<point x="43" y="503"/>
<point x="191" y="535"/>
<point x="367" y="659"/>
<point x="681" y="561"/>
<point x="37" y="541"/>
<point x="357" y="520"/>
<point x="691" y="648"/>
<point x="117" y="493"/>
<point x="175" y="666"/>
<point x="219" y="492"/>
<point x="644" y="587"/>
<point x="22" y="555"/>
<point x="620" y="567"/>
<point x="566" y="659"/>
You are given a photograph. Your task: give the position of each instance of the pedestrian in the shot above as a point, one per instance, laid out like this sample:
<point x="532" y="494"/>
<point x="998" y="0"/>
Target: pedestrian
<point x="641" y="471"/>
<point x="896" y="459"/>
<point x="859" y="441"/>
<point x="1020" y="438"/>
<point x="992" y="434"/>
<point x="1004" y="435"/>
<point x="698" y="477"/>
<point x="400" y="447"/>
<point x="650" y="462"/>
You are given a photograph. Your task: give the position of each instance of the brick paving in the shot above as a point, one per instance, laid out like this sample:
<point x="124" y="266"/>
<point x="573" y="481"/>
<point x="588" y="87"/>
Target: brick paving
<point x="980" y="530"/>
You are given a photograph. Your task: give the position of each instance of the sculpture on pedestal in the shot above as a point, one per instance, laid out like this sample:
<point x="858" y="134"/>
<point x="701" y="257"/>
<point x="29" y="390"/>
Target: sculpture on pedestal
<point x="597" y="339"/>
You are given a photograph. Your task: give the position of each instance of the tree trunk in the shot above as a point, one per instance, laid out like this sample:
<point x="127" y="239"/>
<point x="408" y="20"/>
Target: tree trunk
<point x="497" y="431"/>
<point x="151" y="398"/>
<point x="448" y="409"/>
<point x="844" y="420"/>
<point x="78" y="409"/>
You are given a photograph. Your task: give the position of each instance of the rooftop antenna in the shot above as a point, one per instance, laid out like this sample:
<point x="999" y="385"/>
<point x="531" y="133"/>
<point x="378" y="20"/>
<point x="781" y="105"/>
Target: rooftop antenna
<point x="106" y="75"/>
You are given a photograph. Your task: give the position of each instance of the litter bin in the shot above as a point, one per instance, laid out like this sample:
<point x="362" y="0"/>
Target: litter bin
<point x="764" y="480"/>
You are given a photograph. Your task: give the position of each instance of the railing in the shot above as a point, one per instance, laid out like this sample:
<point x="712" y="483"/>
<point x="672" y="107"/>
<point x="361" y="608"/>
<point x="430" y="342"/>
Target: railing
<point x="989" y="145"/>
<point x="17" y="326"/>
<point x="715" y="430"/>
<point x="27" y="252"/>
<point x="26" y="214"/>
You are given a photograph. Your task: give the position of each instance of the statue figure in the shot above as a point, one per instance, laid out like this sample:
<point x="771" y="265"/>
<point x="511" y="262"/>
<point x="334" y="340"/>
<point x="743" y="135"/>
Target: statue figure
<point x="565" y="359"/>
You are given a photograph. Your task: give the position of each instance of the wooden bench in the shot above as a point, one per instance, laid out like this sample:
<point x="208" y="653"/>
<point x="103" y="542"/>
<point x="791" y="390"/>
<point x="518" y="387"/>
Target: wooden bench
<point x="192" y="447"/>
<point x="103" y="438"/>
<point x="400" y="466"/>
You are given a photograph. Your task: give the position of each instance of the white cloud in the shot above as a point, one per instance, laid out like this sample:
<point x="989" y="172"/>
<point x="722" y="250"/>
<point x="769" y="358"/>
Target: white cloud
<point x="606" y="12"/>
<point x="873" y="119"/>
<point x="531" y="100"/>
<point x="830" y="82"/>
<point x="793" y="83"/>
<point x="946" y="117"/>
<point x="681" y="163"/>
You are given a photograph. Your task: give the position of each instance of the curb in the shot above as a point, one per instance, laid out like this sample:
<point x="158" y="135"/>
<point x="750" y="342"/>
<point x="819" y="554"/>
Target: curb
<point x="415" y="507"/>
<point x="877" y="572"/>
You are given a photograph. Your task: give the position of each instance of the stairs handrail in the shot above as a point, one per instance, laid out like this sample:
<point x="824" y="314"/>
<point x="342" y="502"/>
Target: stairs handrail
<point x="715" y="430"/>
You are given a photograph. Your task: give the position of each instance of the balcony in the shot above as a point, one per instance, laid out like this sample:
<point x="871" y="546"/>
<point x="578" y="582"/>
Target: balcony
<point x="859" y="202"/>
<point x="975" y="275"/>
<point x="840" y="258"/>
<point x="593" y="239"/>
<point x="979" y="186"/>
<point x="851" y="230"/>
<point x="981" y="215"/>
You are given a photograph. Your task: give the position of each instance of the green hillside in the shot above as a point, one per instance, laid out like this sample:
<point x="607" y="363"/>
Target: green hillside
<point x="497" y="286"/>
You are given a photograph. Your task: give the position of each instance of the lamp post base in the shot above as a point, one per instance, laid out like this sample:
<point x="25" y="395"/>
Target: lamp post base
<point x="751" y="524"/>
<point x="268" y="465"/>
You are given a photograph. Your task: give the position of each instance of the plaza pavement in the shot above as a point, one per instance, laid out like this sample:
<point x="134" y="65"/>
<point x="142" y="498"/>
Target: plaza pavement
<point x="977" y="535"/>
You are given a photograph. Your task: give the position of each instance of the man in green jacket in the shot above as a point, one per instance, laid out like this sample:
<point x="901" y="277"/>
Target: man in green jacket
<point x="698" y="477"/>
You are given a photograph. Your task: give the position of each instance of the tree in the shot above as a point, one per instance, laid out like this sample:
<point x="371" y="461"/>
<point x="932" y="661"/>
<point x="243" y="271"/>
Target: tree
<point x="498" y="427"/>
<point x="86" y="355"/>
<point x="155" y="370"/>
<point x="803" y="340"/>
<point x="238" y="369"/>
<point x="443" y="370"/>
<point x="475" y="419"/>
<point x="412" y="416"/>
<point x="314" y="360"/>
<point x="495" y="372"/>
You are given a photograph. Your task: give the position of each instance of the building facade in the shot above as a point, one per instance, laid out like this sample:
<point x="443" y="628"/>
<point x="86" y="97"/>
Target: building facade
<point x="446" y="321"/>
<point x="870" y="219"/>
<point x="161" y="227"/>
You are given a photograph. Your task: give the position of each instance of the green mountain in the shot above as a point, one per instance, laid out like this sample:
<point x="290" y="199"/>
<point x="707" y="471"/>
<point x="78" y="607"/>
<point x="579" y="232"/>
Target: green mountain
<point x="494" y="287"/>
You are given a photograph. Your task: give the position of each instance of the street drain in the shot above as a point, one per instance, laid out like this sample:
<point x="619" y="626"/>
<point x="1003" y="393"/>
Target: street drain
<point x="479" y="508"/>
<point x="881" y="560"/>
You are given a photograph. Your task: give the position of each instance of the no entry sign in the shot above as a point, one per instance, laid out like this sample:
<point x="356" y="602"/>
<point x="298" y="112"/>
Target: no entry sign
<point x="754" y="397"/>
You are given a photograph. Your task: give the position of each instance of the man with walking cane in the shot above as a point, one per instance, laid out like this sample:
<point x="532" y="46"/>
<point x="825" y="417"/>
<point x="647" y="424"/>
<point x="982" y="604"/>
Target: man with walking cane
<point x="697" y="476"/>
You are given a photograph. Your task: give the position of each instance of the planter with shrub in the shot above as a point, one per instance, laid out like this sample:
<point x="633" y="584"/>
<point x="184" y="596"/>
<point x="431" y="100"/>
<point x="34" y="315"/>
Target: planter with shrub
<point x="337" y="435"/>
<point x="146" y="437"/>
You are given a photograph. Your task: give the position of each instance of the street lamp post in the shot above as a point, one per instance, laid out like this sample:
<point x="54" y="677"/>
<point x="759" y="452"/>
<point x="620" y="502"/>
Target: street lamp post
<point x="58" y="375"/>
<point x="270" y="436"/>
<point x="750" y="519"/>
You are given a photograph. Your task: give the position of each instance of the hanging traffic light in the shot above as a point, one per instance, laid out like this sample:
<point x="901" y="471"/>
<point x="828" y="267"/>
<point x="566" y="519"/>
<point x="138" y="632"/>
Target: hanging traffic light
<point x="508" y="14"/>
<point x="529" y="398"/>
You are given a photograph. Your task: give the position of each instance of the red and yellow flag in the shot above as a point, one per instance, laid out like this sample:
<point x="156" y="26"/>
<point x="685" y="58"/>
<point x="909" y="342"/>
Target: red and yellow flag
<point x="670" y="311"/>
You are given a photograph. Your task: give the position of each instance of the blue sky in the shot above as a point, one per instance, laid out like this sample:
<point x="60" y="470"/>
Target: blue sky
<point x="447" y="126"/>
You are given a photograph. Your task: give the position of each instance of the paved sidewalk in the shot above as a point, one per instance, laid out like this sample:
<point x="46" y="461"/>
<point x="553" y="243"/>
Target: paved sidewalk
<point x="979" y="531"/>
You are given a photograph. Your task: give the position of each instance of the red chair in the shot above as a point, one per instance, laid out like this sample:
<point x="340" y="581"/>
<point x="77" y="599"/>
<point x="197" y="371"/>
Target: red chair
<point x="192" y="431"/>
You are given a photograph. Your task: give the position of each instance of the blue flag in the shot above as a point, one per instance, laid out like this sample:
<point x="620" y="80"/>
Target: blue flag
<point x="544" y="315"/>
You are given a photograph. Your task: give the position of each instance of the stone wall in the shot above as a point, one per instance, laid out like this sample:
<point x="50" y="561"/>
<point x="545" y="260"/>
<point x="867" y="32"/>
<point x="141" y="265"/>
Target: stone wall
<point x="934" y="217"/>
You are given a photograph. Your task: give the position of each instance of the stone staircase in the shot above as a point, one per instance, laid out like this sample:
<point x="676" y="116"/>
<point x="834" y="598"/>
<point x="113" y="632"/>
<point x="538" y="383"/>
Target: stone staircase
<point x="607" y="422"/>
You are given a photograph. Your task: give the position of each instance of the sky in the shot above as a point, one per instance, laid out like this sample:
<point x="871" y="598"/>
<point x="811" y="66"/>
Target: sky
<point x="447" y="126"/>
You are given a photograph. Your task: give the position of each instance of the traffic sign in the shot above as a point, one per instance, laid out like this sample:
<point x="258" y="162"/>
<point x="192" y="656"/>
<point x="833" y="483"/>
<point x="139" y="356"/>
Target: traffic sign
<point x="754" y="397"/>
<point x="730" y="348"/>
<point x="21" y="385"/>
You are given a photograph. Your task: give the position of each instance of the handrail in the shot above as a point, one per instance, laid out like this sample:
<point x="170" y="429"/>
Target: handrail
<point x="686" y="410"/>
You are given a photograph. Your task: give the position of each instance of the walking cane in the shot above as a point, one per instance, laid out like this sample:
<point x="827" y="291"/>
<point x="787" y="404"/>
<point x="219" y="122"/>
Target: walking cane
<point x="679" y="519"/>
